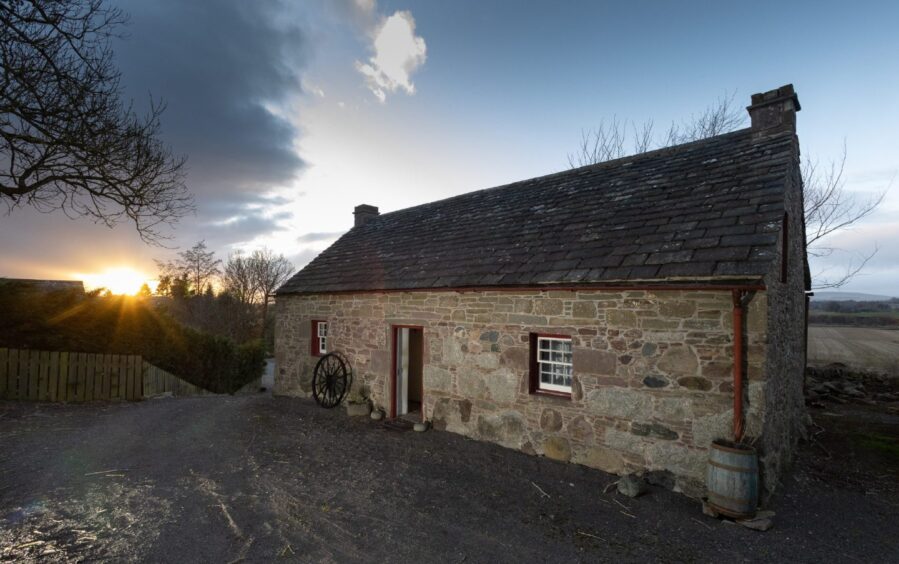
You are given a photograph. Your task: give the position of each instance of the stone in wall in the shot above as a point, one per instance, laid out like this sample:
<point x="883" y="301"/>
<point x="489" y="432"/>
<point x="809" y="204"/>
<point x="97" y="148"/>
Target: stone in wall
<point x="619" y="402"/>
<point x="557" y="448"/>
<point x="551" y="420"/>
<point x="580" y="429"/>
<point x="437" y="379"/>
<point x="672" y="408"/>
<point x="502" y="385"/>
<point x="603" y="458"/>
<point x="451" y="415"/>
<point x="471" y="384"/>
<point x="710" y="427"/>
<point x="678" y="459"/>
<point x="507" y="428"/>
<point x="589" y="361"/>
<point x="679" y="361"/>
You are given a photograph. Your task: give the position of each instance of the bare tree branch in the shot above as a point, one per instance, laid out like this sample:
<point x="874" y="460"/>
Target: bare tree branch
<point x="238" y="279"/>
<point x="610" y="139"/>
<point x="270" y="272"/>
<point x="67" y="141"/>
<point x="829" y="208"/>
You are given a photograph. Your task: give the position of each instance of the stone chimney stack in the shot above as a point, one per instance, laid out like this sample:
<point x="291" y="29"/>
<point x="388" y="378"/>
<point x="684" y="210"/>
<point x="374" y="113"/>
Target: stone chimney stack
<point x="774" y="111"/>
<point x="364" y="213"/>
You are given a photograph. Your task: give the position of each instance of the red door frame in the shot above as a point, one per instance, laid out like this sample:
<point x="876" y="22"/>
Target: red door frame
<point x="393" y="359"/>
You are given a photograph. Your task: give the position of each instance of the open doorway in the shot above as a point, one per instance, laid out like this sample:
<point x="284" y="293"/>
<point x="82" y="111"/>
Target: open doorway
<point x="407" y="384"/>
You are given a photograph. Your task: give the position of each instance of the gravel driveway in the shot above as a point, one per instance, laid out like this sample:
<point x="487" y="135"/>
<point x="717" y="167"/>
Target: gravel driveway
<point x="259" y="478"/>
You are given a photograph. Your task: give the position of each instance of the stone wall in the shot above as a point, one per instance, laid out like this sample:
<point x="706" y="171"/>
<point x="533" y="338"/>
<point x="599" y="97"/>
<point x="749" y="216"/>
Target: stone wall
<point x="652" y="369"/>
<point x="784" y="398"/>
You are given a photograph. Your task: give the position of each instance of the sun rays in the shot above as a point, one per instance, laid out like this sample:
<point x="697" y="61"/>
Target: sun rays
<point x="118" y="280"/>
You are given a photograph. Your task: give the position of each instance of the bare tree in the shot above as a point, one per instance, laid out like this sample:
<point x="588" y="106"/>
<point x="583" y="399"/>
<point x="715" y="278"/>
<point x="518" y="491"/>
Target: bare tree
<point x="829" y="208"/>
<point x="197" y="266"/>
<point x="269" y="273"/>
<point x="67" y="141"/>
<point x="238" y="279"/>
<point x="615" y="139"/>
<point x="721" y="117"/>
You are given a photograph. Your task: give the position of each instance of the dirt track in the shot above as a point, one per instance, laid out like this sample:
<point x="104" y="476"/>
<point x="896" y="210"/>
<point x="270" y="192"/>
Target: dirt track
<point x="255" y="477"/>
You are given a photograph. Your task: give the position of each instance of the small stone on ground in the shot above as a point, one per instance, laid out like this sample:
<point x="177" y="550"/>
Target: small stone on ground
<point x="631" y="485"/>
<point x="762" y="521"/>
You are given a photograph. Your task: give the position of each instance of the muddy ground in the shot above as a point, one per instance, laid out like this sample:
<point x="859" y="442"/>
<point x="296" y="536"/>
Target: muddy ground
<point x="257" y="478"/>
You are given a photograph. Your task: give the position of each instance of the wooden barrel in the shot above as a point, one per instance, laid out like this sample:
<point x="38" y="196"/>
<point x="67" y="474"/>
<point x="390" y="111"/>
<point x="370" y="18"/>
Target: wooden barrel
<point x="733" y="479"/>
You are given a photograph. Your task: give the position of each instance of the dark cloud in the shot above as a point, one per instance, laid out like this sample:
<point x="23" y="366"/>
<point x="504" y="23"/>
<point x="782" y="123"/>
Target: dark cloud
<point x="217" y="65"/>
<point x="242" y="227"/>
<point x="315" y="237"/>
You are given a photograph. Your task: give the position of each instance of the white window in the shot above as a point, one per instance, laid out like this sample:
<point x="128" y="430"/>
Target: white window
<point x="322" y="327"/>
<point x="554" y="364"/>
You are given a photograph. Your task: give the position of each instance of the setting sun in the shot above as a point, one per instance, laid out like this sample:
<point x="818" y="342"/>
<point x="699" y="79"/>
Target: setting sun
<point x="117" y="280"/>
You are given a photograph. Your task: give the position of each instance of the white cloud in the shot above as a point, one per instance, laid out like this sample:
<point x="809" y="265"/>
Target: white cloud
<point x="398" y="53"/>
<point x="312" y="88"/>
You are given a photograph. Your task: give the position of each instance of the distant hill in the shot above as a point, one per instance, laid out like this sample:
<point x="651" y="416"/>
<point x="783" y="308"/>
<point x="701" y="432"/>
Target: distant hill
<point x="846" y="296"/>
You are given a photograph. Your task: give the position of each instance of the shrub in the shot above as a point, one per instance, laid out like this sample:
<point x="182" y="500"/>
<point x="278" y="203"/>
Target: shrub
<point x="71" y="321"/>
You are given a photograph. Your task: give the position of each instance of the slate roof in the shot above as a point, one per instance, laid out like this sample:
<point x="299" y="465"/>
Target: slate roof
<point x="706" y="210"/>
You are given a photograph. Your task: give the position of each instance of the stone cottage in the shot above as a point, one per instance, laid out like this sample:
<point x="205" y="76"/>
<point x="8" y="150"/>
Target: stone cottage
<point x="619" y="315"/>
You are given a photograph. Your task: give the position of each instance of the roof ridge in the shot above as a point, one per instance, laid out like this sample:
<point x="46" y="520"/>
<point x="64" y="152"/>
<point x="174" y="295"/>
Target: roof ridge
<point x="573" y="171"/>
<point x="711" y="208"/>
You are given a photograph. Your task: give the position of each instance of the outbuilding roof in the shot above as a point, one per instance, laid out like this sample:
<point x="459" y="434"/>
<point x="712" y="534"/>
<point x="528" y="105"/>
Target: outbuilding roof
<point x="707" y="210"/>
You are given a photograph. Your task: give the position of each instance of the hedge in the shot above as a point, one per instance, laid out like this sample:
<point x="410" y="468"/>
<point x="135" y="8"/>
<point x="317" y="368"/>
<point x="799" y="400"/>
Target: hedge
<point x="68" y="320"/>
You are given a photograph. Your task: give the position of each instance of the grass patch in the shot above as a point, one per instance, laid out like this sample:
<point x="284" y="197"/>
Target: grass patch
<point x="883" y="444"/>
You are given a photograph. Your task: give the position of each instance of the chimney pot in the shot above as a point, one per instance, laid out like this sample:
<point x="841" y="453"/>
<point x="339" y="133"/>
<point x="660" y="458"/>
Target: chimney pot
<point x="363" y="213"/>
<point x="774" y="110"/>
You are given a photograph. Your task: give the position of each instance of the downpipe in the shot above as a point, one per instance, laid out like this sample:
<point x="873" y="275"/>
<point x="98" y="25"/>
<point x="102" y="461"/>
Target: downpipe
<point x="738" y="314"/>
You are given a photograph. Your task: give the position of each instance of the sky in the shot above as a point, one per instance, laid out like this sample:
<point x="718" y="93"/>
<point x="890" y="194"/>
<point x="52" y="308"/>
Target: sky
<point x="292" y="113"/>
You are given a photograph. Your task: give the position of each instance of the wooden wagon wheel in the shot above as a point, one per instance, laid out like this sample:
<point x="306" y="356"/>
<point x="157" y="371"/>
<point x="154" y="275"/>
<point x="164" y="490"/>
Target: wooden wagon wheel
<point x="330" y="380"/>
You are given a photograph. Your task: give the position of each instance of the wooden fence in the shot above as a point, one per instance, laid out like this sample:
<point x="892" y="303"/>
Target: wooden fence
<point x="157" y="381"/>
<point x="76" y="377"/>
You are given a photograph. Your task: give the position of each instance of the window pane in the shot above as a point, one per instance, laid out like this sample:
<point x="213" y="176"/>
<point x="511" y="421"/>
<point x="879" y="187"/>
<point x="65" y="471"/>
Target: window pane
<point x="554" y="358"/>
<point x="558" y="380"/>
<point x="321" y="345"/>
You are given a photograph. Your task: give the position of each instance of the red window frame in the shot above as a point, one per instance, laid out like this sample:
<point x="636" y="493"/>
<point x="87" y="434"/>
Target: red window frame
<point x="314" y="338"/>
<point x="534" y="376"/>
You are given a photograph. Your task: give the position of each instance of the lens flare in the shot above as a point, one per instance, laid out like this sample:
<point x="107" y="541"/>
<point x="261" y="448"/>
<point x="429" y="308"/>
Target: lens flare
<point x="120" y="280"/>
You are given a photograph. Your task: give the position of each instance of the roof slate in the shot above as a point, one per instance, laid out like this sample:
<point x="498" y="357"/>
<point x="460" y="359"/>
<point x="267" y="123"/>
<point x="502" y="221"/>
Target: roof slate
<point x="702" y="210"/>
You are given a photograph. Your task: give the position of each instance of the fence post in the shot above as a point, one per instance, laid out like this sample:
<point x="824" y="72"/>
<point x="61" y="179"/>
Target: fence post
<point x="4" y="356"/>
<point x="63" y="393"/>
<point x="144" y="377"/>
